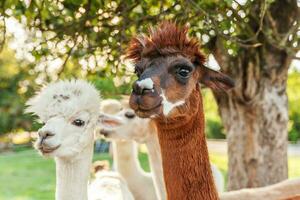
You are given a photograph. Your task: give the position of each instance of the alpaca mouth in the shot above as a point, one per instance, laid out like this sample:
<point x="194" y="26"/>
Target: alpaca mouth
<point x="142" y="109"/>
<point x="146" y="113"/>
<point x="47" y="150"/>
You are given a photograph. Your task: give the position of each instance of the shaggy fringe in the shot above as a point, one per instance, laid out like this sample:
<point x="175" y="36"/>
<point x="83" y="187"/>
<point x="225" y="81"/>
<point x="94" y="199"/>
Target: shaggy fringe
<point x="167" y="39"/>
<point x="65" y="97"/>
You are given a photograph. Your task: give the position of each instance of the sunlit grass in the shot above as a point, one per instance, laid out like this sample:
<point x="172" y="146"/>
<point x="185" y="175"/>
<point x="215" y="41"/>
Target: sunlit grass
<point x="221" y="162"/>
<point x="294" y="166"/>
<point x="25" y="175"/>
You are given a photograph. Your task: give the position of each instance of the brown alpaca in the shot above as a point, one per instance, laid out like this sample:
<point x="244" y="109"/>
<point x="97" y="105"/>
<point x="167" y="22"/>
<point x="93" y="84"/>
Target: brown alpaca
<point x="169" y="66"/>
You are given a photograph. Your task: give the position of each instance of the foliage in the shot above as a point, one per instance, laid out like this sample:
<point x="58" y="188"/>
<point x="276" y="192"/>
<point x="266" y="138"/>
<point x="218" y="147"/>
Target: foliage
<point x="214" y="128"/>
<point x="293" y="90"/>
<point x="16" y="86"/>
<point x="18" y="82"/>
<point x="95" y="30"/>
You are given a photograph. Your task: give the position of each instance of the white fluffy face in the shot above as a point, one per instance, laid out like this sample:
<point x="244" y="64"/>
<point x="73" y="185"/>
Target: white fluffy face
<point x="69" y="110"/>
<point x="66" y="136"/>
<point x="124" y="125"/>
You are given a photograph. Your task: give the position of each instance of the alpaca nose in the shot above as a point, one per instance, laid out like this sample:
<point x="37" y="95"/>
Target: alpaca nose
<point x="44" y="134"/>
<point x="129" y="114"/>
<point x="104" y="132"/>
<point x="144" y="86"/>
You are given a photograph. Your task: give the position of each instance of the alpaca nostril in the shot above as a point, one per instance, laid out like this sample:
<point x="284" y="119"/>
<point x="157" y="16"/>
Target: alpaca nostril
<point x="49" y="134"/>
<point x="130" y="114"/>
<point x="146" y="91"/>
<point x="103" y="132"/>
<point x="101" y="116"/>
<point x="143" y="87"/>
<point x="45" y="134"/>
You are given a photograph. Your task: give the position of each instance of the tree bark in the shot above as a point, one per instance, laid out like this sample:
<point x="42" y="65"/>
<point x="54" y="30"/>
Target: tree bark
<point x="257" y="140"/>
<point x="255" y="113"/>
<point x="255" y="116"/>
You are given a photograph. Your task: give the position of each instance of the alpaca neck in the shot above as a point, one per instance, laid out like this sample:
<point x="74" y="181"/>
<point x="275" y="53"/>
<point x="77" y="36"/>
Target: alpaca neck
<point x="72" y="175"/>
<point x="187" y="171"/>
<point x="155" y="160"/>
<point x="127" y="164"/>
<point x="126" y="158"/>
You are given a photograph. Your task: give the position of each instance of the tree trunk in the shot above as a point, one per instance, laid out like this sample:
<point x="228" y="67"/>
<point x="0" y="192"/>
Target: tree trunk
<point x="255" y="116"/>
<point x="255" y="113"/>
<point x="257" y="140"/>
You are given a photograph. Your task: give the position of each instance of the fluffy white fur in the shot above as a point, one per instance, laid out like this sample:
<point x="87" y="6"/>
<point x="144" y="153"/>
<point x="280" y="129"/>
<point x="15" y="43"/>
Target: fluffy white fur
<point x="278" y="191"/>
<point x="146" y="83"/>
<point x="169" y="106"/>
<point x="110" y="106"/>
<point x="119" y="126"/>
<point x="126" y="162"/>
<point x="109" y="185"/>
<point x="59" y="105"/>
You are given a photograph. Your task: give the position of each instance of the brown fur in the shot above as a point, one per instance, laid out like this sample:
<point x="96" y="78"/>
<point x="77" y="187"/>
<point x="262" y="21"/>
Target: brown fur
<point x="168" y="39"/>
<point x="186" y="166"/>
<point x="160" y="56"/>
<point x="279" y="191"/>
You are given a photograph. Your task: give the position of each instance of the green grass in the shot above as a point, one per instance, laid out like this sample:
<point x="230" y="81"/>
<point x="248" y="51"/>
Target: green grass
<point x="25" y="175"/>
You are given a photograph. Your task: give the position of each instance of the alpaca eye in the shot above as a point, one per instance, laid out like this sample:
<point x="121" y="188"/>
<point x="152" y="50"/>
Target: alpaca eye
<point x="183" y="72"/>
<point x="78" y="122"/>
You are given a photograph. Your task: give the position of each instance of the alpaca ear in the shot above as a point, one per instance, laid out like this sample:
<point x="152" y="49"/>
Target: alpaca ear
<point x="108" y="121"/>
<point x="215" y="80"/>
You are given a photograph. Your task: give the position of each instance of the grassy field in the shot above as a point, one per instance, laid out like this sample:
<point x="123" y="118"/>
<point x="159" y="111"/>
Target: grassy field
<point x="27" y="176"/>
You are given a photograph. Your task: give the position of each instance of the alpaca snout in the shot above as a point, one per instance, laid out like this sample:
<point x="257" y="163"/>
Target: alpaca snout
<point x="144" y="86"/>
<point x="44" y="135"/>
<point x="43" y="144"/>
<point x="104" y="132"/>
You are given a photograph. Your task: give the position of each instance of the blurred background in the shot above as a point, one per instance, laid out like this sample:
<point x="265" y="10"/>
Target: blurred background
<point x="255" y="42"/>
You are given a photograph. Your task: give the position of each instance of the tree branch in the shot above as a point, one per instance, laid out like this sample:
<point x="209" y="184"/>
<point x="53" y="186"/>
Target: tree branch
<point x="67" y="58"/>
<point x="238" y="41"/>
<point x="2" y="43"/>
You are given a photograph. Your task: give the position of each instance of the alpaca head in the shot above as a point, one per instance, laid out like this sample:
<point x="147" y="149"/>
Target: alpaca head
<point x="124" y="125"/>
<point x="169" y="65"/>
<point x="69" y="111"/>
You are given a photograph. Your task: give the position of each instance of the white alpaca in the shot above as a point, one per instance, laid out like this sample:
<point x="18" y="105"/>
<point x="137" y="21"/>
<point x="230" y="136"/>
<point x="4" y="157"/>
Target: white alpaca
<point x="125" y="154"/>
<point x="109" y="185"/>
<point x="126" y="163"/>
<point x="69" y="110"/>
<point x="279" y="191"/>
<point x="126" y="125"/>
<point x="110" y="106"/>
